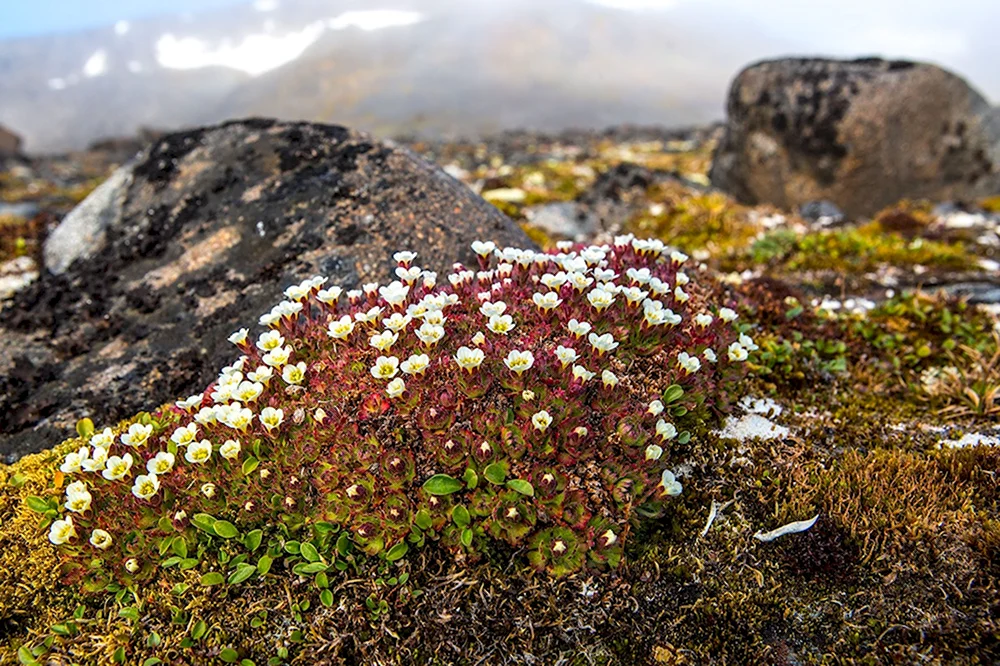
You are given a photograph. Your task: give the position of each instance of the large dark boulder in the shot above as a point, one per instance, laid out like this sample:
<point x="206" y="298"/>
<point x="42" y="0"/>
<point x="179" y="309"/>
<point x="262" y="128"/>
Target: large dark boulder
<point x="862" y="134"/>
<point x="196" y="238"/>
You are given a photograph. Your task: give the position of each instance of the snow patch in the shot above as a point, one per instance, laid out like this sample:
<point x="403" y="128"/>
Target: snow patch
<point x="96" y="64"/>
<point x="970" y="439"/>
<point x="260" y="53"/>
<point x="374" y="19"/>
<point x="754" y="424"/>
<point x="122" y="28"/>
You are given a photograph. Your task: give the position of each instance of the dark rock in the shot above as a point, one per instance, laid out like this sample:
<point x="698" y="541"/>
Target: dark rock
<point x="202" y="236"/>
<point x="823" y="212"/>
<point x="862" y="134"/>
<point x="982" y="293"/>
<point x="10" y="143"/>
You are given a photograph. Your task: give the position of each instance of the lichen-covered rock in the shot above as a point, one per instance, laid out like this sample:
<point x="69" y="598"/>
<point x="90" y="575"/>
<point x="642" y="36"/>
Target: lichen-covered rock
<point x="205" y="226"/>
<point x="862" y="134"/>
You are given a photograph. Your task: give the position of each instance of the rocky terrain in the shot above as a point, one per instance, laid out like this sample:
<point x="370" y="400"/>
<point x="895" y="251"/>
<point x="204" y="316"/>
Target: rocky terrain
<point x="871" y="401"/>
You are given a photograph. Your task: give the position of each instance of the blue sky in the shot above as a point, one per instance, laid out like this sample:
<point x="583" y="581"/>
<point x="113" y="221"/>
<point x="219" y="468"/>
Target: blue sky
<point x="20" y="18"/>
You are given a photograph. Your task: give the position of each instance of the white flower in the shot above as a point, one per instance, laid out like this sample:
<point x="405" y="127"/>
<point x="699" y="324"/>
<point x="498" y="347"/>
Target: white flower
<point x="566" y="355"/>
<point x="541" y="420"/>
<point x="77" y="497"/>
<point x="478" y="338"/>
<point x="527" y="395"/>
<point x="602" y="343"/>
<point x="205" y="416"/>
<point x="117" y="468"/>
<point x="385" y="367"/>
<point x="239" y="337"/>
<point x="62" y="531"/>
<point x="416" y="364"/>
<point x="369" y="317"/>
<point x="483" y="249"/>
<point x="634" y="295"/>
<point x="277" y="357"/>
<point x="430" y="334"/>
<point x="394" y="293"/>
<point x="106" y="437"/>
<point x="271" y="418"/>
<point x="671" y="486"/>
<point x="161" y="463"/>
<point x="74" y="460"/>
<point x="408" y="275"/>
<point x="727" y="315"/>
<point x="341" y="328"/>
<point x="710" y="356"/>
<point x="682" y="278"/>
<point x="208" y="490"/>
<point x="659" y="287"/>
<point x="404" y="257"/>
<point x="703" y="320"/>
<point x="190" y="403"/>
<point x="137" y="434"/>
<point x="653" y="452"/>
<point x="230" y="450"/>
<point x="554" y="281"/>
<point x="100" y="539"/>
<point x="609" y="379"/>
<point x="430" y="279"/>
<point x="294" y="374"/>
<point x="688" y="363"/>
<point x="665" y="430"/>
<point x="262" y="374"/>
<point x="639" y="275"/>
<point x="501" y="324"/>
<point x="488" y="309"/>
<point x="145" y="486"/>
<point x="581" y="373"/>
<point x="519" y="361"/>
<point x="269" y="319"/>
<point x="748" y="342"/>
<point x="435" y="317"/>
<point x="604" y="275"/>
<point x="97" y="460"/>
<point x="546" y="301"/>
<point x="297" y="292"/>
<point x="185" y="434"/>
<point x="397" y="321"/>
<point x="269" y="340"/>
<point x="199" y="452"/>
<point x="370" y="287"/>
<point x="578" y="328"/>
<point x="737" y="353"/>
<point x="580" y="281"/>
<point x="678" y="257"/>
<point x="680" y="295"/>
<point x="329" y="296"/>
<point x="469" y="359"/>
<point x="600" y="298"/>
<point x="655" y="408"/>
<point x="396" y="387"/>
<point x="132" y="565"/>
<point x="249" y="391"/>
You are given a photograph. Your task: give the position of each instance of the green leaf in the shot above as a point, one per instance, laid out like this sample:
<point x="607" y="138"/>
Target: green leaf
<point x="179" y="546"/>
<point x="61" y="630"/>
<point x="188" y="563"/>
<point x="326" y="598"/>
<point x="85" y="427"/>
<point x="152" y="661"/>
<point x="213" y="578"/>
<point x="322" y="581"/>
<point x="37" y="504"/>
<point x="397" y="551"/>
<point x="679" y="410"/>
<point x="241" y="573"/>
<point x="672" y="394"/>
<point x="247" y="662"/>
<point x="264" y="564"/>
<point x="204" y="522"/>
<point x="17" y="480"/>
<point x="460" y="515"/>
<point x="199" y="630"/>
<point x="130" y="613"/>
<point x="119" y="656"/>
<point x="225" y="529"/>
<point x="229" y="655"/>
<point x="521" y="486"/>
<point x="309" y="552"/>
<point x="343" y="544"/>
<point x="179" y="588"/>
<point x="153" y="640"/>
<point x="684" y="437"/>
<point x="252" y="540"/>
<point x="442" y="484"/>
<point x="495" y="473"/>
<point x="467" y="537"/>
<point x="471" y="478"/>
<point x="293" y="547"/>
<point x="423" y="519"/>
<point x="25" y="657"/>
<point x="249" y="465"/>
<point x="308" y="568"/>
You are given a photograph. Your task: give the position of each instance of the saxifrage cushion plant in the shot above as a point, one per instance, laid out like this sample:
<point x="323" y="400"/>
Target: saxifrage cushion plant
<point x="532" y="401"/>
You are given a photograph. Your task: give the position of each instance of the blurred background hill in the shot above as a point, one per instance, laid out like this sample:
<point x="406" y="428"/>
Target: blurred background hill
<point x="434" y="68"/>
